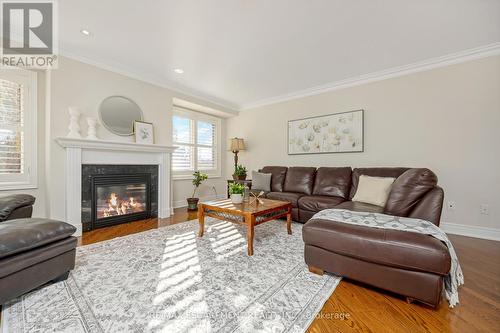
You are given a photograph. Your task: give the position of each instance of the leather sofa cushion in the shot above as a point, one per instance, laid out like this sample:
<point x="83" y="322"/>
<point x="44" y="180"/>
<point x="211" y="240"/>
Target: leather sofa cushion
<point x="293" y="198"/>
<point x="360" y="207"/>
<point x="277" y="178"/>
<point x="392" y="248"/>
<point x="430" y="206"/>
<point x="373" y="172"/>
<point x="29" y="258"/>
<point x="9" y="203"/>
<point x="334" y="182"/>
<point x="299" y="180"/>
<point x="25" y="234"/>
<point x="315" y="203"/>
<point x="408" y="189"/>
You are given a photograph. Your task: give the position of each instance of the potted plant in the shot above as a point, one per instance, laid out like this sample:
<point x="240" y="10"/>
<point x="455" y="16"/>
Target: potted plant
<point x="240" y="173"/>
<point x="236" y="191"/>
<point x="198" y="178"/>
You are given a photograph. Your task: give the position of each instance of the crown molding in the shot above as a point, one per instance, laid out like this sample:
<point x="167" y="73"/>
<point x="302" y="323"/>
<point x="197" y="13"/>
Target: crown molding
<point x="446" y="60"/>
<point x="154" y="80"/>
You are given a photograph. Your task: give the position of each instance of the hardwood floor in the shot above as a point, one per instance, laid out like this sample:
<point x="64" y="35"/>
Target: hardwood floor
<point x="357" y="308"/>
<point x="102" y="234"/>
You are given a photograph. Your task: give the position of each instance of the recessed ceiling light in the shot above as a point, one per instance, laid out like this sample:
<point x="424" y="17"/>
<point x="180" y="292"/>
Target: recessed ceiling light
<point x="179" y="70"/>
<point x="85" y="32"/>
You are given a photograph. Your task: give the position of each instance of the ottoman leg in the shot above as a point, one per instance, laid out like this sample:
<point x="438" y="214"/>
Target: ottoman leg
<point x="61" y="277"/>
<point x="316" y="270"/>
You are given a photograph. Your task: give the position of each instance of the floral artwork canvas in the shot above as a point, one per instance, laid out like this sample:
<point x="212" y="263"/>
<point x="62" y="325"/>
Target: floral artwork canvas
<point x="333" y="133"/>
<point x="143" y="132"/>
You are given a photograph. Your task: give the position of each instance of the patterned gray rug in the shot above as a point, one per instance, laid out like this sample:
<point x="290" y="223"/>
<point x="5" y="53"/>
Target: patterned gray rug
<point x="168" y="280"/>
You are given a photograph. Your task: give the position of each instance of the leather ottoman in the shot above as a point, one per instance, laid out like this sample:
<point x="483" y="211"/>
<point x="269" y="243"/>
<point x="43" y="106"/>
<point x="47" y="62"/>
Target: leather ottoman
<point x="33" y="252"/>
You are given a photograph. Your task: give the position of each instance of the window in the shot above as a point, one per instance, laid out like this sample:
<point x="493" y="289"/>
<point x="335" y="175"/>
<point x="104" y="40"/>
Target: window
<point x="196" y="137"/>
<point x="17" y="129"/>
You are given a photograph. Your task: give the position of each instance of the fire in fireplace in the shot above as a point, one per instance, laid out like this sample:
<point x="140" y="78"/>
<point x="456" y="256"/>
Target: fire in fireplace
<point x="120" y="200"/>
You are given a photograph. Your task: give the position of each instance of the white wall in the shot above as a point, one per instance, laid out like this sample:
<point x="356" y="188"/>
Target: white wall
<point x="85" y="86"/>
<point x="445" y="119"/>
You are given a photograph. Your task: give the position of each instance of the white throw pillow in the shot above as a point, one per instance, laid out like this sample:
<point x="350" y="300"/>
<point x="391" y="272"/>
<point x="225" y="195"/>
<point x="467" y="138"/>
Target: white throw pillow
<point x="373" y="190"/>
<point x="261" y="181"/>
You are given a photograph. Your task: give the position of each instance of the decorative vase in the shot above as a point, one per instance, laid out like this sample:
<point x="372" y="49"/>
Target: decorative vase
<point x="74" y="126"/>
<point x="192" y="203"/>
<point x="92" y="132"/>
<point x="236" y="198"/>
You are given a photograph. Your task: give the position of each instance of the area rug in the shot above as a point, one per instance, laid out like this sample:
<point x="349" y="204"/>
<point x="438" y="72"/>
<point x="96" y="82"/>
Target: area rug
<point x="169" y="280"/>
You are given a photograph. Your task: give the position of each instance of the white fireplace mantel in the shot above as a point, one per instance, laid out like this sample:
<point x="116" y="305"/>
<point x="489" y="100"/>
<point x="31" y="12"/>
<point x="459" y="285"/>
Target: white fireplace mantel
<point x="113" y="145"/>
<point x="83" y="151"/>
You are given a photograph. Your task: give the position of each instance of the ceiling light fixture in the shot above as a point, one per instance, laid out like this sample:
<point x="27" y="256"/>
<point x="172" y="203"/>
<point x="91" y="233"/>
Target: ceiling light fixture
<point x="179" y="70"/>
<point x="85" y="32"/>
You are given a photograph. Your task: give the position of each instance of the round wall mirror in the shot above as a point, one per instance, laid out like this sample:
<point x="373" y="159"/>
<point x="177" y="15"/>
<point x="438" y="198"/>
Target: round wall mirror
<point x="118" y="114"/>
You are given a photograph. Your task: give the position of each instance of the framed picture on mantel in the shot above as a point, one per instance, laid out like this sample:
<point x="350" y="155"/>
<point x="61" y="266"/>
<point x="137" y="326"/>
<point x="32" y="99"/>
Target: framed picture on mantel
<point x="332" y="133"/>
<point x="143" y="132"/>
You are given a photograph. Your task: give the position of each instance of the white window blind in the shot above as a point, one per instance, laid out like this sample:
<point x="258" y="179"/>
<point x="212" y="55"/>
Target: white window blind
<point x="11" y="128"/>
<point x="17" y="129"/>
<point x="196" y="137"/>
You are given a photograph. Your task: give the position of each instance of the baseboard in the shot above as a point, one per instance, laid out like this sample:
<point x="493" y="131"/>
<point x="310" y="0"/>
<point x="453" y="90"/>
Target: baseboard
<point x="183" y="203"/>
<point x="471" y="231"/>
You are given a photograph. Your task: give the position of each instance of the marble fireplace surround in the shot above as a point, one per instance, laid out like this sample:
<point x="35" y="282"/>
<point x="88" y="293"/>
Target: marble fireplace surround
<point x="83" y="151"/>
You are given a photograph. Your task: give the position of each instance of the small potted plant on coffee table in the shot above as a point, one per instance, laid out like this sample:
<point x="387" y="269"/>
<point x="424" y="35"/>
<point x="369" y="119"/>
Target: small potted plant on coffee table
<point x="236" y="191"/>
<point x="240" y="173"/>
<point x="198" y="178"/>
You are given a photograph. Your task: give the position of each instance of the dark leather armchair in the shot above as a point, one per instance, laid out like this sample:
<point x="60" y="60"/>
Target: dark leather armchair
<point x="16" y="206"/>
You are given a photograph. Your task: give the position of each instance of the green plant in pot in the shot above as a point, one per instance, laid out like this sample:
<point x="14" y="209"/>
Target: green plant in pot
<point x="236" y="192"/>
<point x="198" y="178"/>
<point x="240" y="173"/>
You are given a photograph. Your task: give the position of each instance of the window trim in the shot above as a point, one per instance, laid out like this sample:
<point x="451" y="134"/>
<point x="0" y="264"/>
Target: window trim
<point x="30" y="179"/>
<point x="199" y="116"/>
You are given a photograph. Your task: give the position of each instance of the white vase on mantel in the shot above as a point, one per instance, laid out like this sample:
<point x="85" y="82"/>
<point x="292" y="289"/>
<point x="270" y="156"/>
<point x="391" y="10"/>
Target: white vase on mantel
<point x="92" y="128"/>
<point x="74" y="126"/>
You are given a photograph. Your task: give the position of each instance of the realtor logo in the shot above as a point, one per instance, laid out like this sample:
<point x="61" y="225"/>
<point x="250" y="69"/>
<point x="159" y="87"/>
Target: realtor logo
<point x="28" y="32"/>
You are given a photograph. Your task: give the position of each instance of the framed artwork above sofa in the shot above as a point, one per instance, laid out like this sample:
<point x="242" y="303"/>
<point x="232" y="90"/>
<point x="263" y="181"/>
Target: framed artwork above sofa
<point x="332" y="133"/>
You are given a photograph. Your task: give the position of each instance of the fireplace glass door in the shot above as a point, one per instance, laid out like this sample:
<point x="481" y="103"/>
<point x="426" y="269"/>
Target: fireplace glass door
<point x="120" y="198"/>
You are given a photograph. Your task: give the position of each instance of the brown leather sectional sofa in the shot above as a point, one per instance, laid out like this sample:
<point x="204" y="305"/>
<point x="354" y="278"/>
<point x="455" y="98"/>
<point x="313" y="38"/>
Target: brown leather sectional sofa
<point x="402" y="262"/>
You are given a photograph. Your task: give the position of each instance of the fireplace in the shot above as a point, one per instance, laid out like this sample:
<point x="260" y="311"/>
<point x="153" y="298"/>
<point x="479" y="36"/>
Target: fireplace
<point x="114" y="194"/>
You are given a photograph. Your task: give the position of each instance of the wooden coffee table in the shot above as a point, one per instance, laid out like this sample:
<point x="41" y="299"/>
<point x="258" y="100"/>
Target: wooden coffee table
<point x="249" y="214"/>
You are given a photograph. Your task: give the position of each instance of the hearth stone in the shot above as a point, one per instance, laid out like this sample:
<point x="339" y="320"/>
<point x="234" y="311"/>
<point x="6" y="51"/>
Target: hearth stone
<point x="93" y="172"/>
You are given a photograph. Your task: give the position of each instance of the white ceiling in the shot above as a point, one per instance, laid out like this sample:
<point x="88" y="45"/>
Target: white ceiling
<point x="240" y="52"/>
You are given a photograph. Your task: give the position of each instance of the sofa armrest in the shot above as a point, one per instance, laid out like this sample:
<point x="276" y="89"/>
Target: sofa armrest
<point x="16" y="206"/>
<point x="429" y="208"/>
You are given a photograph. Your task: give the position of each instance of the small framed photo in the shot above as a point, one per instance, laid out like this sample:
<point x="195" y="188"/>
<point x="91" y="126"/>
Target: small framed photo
<point x="143" y="132"/>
